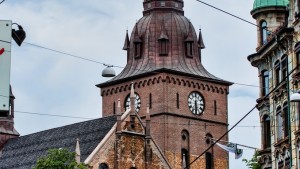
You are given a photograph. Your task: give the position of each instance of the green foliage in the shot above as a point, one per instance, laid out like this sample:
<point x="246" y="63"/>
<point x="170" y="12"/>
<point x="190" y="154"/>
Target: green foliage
<point x="59" y="159"/>
<point x="253" y="162"/>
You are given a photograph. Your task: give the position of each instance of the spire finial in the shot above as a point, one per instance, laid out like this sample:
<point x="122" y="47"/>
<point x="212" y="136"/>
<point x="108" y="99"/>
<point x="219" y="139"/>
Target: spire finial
<point x="132" y="98"/>
<point x="77" y="151"/>
<point x="119" y="107"/>
<point x="200" y="40"/>
<point x="127" y="42"/>
<point x="148" y="113"/>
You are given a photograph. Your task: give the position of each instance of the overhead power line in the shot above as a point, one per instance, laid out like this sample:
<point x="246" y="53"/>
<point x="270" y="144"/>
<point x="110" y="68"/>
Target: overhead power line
<point x="2" y="1"/>
<point x="227" y="13"/>
<point x="54" y="115"/>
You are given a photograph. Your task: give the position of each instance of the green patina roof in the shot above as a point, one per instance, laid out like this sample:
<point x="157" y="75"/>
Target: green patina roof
<point x="267" y="3"/>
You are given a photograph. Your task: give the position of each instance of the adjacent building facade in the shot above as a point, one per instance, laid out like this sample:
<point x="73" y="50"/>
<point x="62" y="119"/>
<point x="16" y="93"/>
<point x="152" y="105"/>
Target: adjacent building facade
<point x="277" y="60"/>
<point x="161" y="111"/>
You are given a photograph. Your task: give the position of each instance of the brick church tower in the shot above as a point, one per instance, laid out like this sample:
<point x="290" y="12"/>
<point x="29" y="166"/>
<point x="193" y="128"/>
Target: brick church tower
<point x="187" y="104"/>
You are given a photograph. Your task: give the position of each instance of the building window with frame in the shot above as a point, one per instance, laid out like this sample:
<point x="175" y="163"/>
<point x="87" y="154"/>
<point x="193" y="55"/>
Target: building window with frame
<point x="265" y="82"/>
<point x="297" y="52"/>
<point x="277" y="72"/>
<point x="298" y="107"/>
<point x="298" y="154"/>
<point x="298" y="58"/>
<point x="285" y="119"/>
<point x="266" y="132"/>
<point x="263" y="32"/>
<point x="279" y="123"/>
<point x="284" y="67"/>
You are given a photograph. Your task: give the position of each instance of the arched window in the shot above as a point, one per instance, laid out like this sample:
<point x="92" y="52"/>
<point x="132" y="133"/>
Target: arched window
<point x="177" y="100"/>
<point x="150" y="101"/>
<point x="215" y="107"/>
<point x="285" y="119"/>
<point x="284" y="69"/>
<point x="185" y="155"/>
<point x="279" y="123"/>
<point x="266" y="132"/>
<point x="208" y="139"/>
<point x="265" y="82"/>
<point x="114" y="108"/>
<point x="103" y="166"/>
<point x="277" y="72"/>
<point x="279" y="161"/>
<point x="263" y="32"/>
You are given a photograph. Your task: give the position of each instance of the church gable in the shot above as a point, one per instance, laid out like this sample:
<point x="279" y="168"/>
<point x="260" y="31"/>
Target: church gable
<point x="128" y="144"/>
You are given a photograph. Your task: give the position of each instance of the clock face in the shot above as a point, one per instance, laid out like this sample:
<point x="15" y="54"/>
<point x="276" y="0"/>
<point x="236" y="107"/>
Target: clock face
<point x="137" y="102"/>
<point x="196" y="103"/>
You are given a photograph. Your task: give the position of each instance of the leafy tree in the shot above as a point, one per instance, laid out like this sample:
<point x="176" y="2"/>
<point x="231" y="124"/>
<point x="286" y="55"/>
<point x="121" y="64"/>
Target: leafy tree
<point x="253" y="162"/>
<point x="59" y="159"/>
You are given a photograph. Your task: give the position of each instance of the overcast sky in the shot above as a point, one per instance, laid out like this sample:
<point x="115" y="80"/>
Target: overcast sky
<point x="51" y="83"/>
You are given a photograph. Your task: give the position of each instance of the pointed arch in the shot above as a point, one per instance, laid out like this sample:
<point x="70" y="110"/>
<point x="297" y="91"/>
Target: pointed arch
<point x="159" y="79"/>
<point x="144" y="83"/>
<point x="149" y="82"/>
<point x="173" y="80"/>
<point x="178" y="81"/>
<point x="154" y="80"/>
<point x="121" y="88"/>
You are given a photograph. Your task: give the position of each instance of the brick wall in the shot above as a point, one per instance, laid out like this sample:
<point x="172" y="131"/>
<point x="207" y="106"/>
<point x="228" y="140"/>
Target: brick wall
<point x="168" y="121"/>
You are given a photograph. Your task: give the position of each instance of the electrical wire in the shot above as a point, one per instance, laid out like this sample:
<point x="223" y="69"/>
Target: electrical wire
<point x="64" y="53"/>
<point x="2" y="1"/>
<point x="227" y="13"/>
<point x="54" y="115"/>
<point x="152" y="122"/>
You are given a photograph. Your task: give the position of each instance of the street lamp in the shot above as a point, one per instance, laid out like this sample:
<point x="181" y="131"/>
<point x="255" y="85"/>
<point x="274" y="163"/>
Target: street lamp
<point x="108" y="71"/>
<point x="295" y="97"/>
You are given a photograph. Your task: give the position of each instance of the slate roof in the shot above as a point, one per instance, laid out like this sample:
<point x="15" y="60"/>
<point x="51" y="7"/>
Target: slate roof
<point x="23" y="152"/>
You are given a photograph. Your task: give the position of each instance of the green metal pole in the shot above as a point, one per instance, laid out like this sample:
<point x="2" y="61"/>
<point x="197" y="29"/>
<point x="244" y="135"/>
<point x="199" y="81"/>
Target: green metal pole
<point x="289" y="114"/>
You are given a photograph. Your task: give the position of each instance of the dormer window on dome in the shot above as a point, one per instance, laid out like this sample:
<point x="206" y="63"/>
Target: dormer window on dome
<point x="189" y="43"/>
<point x="137" y="42"/>
<point x="163" y="42"/>
<point x="189" y="48"/>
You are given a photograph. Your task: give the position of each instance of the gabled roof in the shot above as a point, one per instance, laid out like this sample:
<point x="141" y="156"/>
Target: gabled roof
<point x="23" y="152"/>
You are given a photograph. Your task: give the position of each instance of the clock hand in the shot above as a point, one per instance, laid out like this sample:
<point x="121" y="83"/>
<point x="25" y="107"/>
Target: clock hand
<point x="195" y="106"/>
